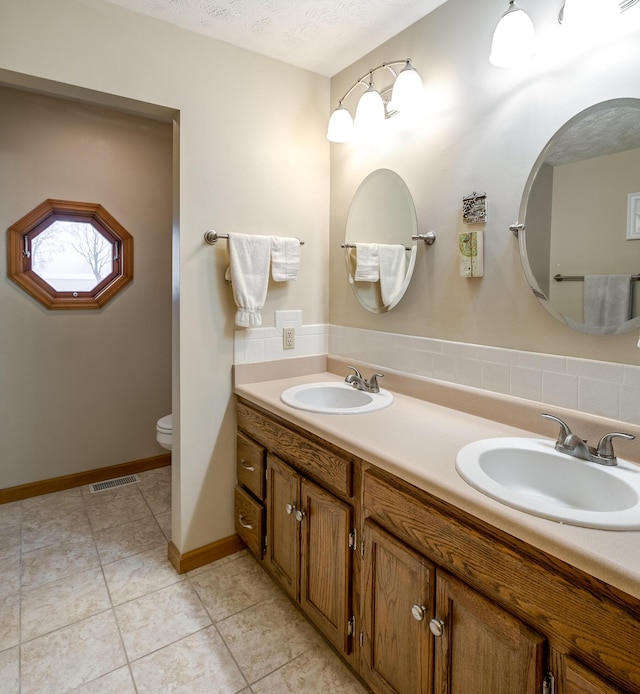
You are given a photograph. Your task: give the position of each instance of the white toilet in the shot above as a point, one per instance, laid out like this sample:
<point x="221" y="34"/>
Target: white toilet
<point x="164" y="431"/>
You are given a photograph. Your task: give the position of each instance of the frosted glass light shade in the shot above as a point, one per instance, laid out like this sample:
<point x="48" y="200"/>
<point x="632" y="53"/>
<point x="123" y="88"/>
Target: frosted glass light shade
<point x="514" y="39"/>
<point x="408" y="90"/>
<point x="340" y="128"/>
<point x="370" y="111"/>
<point x="589" y="14"/>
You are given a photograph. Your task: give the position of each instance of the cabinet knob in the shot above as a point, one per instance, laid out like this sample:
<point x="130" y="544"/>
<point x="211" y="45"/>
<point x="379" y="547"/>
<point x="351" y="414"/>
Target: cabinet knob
<point x="247" y="466"/>
<point x="300" y="515"/>
<point x="244" y="524"/>
<point x="418" y="612"/>
<point x="437" y="627"/>
<point x="289" y="508"/>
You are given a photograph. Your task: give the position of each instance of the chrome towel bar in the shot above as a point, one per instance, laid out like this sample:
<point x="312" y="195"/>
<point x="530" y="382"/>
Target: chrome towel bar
<point x="212" y="237"/>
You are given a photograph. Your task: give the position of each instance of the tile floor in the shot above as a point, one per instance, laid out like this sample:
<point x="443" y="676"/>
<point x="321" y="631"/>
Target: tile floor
<point x="89" y="603"/>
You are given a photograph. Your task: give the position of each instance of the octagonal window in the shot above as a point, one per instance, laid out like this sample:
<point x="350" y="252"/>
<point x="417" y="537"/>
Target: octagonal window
<point x="70" y="255"/>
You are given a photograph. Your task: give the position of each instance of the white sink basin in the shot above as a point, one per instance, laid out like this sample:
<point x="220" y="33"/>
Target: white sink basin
<point x="530" y="475"/>
<point x="335" y="398"/>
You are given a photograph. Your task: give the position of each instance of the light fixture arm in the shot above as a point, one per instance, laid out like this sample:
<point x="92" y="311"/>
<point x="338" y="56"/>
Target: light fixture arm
<point x="369" y="74"/>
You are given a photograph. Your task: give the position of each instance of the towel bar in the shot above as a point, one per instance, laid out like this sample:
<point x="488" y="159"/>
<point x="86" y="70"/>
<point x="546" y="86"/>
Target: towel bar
<point x="212" y="237"/>
<point x="429" y="238"/>
<point x="580" y="278"/>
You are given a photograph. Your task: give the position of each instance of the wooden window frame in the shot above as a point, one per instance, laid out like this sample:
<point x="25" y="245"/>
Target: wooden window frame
<point x="24" y="230"/>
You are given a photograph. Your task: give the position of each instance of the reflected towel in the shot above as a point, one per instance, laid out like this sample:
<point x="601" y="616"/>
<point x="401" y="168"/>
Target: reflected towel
<point x="367" y="262"/>
<point x="249" y="257"/>
<point x="393" y="269"/>
<point x="285" y="258"/>
<point x="607" y="300"/>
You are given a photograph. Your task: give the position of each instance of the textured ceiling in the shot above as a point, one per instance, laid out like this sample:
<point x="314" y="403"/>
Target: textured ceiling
<point x="323" y="36"/>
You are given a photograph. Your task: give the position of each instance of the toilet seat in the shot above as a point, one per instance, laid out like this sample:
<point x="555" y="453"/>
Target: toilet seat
<point x="164" y="431"/>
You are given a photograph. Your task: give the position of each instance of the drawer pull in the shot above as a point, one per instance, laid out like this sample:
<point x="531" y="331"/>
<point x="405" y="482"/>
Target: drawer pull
<point x="248" y="526"/>
<point x="437" y="627"/>
<point x="418" y="612"/>
<point x="300" y="515"/>
<point x="247" y="466"/>
<point x="289" y="508"/>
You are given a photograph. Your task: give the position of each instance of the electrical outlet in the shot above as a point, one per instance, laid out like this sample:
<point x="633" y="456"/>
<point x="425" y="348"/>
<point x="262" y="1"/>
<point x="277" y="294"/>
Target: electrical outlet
<point x="288" y="338"/>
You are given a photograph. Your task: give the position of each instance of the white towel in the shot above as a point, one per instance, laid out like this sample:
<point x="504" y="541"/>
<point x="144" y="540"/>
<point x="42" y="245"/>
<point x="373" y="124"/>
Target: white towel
<point x="249" y="256"/>
<point x="393" y="270"/>
<point x="607" y="300"/>
<point x="367" y="262"/>
<point x="285" y="258"/>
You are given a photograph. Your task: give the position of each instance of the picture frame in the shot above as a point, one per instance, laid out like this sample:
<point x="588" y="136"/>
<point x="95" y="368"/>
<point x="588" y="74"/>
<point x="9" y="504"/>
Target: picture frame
<point x="633" y="216"/>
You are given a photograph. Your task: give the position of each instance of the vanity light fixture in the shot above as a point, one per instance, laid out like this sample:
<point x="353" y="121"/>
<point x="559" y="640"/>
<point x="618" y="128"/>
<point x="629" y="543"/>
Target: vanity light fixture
<point x="373" y="106"/>
<point x="514" y="39"/>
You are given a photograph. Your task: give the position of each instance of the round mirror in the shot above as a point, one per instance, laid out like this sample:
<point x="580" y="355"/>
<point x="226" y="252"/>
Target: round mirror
<point x="580" y="245"/>
<point x="380" y="248"/>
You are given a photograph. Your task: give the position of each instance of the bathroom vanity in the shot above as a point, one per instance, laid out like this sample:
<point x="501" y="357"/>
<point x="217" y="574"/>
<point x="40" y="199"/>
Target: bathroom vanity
<point x="418" y="581"/>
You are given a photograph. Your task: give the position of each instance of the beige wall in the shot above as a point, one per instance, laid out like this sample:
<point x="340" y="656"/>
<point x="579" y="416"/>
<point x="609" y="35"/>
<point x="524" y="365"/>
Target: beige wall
<point x="481" y="130"/>
<point x="589" y="225"/>
<point x="83" y="389"/>
<point x="252" y="158"/>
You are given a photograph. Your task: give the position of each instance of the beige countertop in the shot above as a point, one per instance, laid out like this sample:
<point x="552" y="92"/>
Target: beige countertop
<point x="417" y="440"/>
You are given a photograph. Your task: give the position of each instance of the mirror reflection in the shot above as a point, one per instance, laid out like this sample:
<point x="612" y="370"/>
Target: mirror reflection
<point x="379" y="246"/>
<point x="580" y="247"/>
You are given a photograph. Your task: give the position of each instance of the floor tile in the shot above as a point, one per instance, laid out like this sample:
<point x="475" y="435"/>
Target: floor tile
<point x="53" y="562"/>
<point x="140" y="574"/>
<point x="160" y="618"/>
<point x="198" y="664"/>
<point x="266" y="636"/>
<point x="10" y="621"/>
<point x="10" y="569"/>
<point x="10" y="671"/>
<point x="70" y="599"/>
<point x="155" y="487"/>
<point x="116" y="682"/>
<point x="126" y="540"/>
<point x="56" y="663"/>
<point x="164" y="521"/>
<point x="10" y="540"/>
<point x="230" y="587"/>
<point x="116" y="507"/>
<point x="10" y="513"/>
<point x="67" y="524"/>
<point x="315" y="672"/>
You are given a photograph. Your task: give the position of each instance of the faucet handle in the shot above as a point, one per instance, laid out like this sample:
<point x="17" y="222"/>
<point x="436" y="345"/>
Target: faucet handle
<point x="355" y="374"/>
<point x="605" y="447"/>
<point x="564" y="433"/>
<point x="373" y="383"/>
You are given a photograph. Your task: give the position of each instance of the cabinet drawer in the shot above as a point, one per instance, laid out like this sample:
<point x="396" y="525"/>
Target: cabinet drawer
<point x="249" y="516"/>
<point x="250" y="465"/>
<point x="319" y="463"/>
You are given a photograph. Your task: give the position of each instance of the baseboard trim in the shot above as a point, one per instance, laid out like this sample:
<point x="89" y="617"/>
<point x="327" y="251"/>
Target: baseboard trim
<point x="79" y="479"/>
<point x="203" y="555"/>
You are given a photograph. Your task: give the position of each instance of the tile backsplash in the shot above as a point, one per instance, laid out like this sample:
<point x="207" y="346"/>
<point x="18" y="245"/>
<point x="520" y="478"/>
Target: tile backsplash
<point x="600" y="388"/>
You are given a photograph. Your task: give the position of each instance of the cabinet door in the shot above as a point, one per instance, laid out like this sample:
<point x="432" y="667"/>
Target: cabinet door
<point x="325" y="573"/>
<point x="397" y="605"/>
<point x="283" y="537"/>
<point x="482" y="649"/>
<point x="574" y="678"/>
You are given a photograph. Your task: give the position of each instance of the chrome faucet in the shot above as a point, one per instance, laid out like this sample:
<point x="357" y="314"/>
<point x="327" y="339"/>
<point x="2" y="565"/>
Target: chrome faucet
<point x="573" y="445"/>
<point x="360" y="383"/>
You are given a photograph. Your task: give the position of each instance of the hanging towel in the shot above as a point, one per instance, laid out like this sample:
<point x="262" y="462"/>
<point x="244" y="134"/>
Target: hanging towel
<point x="285" y="258"/>
<point x="249" y="257"/>
<point x="607" y="300"/>
<point x="393" y="269"/>
<point x="367" y="262"/>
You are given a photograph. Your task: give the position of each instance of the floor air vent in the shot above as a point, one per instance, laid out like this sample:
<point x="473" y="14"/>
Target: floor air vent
<point x="112" y="484"/>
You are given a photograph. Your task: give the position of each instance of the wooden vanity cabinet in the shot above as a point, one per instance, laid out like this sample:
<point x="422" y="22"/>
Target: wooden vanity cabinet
<point x="509" y="618"/>
<point x="308" y="545"/>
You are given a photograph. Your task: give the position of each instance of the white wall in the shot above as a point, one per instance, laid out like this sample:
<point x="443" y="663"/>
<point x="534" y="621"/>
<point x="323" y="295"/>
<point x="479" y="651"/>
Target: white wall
<point x="253" y="159"/>
<point x="481" y="130"/>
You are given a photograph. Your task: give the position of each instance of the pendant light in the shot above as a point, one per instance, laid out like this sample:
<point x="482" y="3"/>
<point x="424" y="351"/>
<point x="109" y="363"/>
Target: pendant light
<point x="340" y="128"/>
<point x="370" y="111"/>
<point x="408" y="90"/>
<point x="514" y="39"/>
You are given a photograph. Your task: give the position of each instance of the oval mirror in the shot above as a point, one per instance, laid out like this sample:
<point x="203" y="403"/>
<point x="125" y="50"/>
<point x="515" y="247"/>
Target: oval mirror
<point x="580" y="245"/>
<point x="381" y="213"/>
